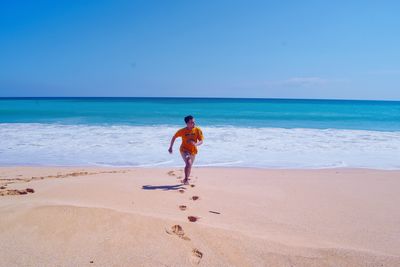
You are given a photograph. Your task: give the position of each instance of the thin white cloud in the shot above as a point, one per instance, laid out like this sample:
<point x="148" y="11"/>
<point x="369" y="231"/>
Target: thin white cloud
<point x="385" y="72"/>
<point x="304" y="81"/>
<point x="297" y="82"/>
<point x="293" y="82"/>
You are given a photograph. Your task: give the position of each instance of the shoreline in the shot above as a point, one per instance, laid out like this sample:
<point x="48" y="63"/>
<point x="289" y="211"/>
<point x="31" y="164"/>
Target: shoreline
<point x="245" y="216"/>
<point x="195" y="167"/>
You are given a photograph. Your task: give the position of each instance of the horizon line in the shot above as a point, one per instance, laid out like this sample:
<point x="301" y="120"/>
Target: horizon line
<point x="191" y="97"/>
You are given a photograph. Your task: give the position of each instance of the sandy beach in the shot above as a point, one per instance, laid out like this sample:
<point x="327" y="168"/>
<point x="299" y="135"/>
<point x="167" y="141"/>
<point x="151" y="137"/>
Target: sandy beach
<point x="57" y="216"/>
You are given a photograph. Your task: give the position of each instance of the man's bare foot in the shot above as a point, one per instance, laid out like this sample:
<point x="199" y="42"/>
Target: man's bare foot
<point x="185" y="181"/>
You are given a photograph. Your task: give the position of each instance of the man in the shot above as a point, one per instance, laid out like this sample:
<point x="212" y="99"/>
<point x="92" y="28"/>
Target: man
<point x="192" y="137"/>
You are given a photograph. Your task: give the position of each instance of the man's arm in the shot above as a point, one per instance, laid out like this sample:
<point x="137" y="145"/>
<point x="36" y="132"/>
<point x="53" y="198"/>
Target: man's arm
<point x="200" y="138"/>
<point x="199" y="143"/>
<point x="171" y="145"/>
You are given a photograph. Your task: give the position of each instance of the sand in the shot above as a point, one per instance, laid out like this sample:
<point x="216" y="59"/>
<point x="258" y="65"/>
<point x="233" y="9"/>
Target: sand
<point x="228" y="217"/>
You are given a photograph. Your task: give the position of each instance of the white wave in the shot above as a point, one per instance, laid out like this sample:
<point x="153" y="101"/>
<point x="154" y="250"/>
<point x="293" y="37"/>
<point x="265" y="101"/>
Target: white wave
<point x="221" y="164"/>
<point x="146" y="146"/>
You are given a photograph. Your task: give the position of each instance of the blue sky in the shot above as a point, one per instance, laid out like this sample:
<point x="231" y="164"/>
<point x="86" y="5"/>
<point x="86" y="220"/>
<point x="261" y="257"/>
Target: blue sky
<point x="270" y="49"/>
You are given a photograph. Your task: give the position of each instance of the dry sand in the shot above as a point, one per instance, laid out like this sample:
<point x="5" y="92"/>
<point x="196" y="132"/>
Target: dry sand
<point x="240" y="217"/>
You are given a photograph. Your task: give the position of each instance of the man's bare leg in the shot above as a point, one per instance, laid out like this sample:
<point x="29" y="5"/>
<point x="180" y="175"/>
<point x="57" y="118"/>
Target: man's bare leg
<point x="189" y="159"/>
<point x="188" y="169"/>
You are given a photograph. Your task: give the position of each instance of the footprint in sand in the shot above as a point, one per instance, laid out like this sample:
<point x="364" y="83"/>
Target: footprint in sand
<point x="13" y="192"/>
<point x="178" y="231"/>
<point x="196" y="256"/>
<point x="79" y="173"/>
<point x="59" y="175"/>
<point x="192" y="185"/>
<point x="181" y="191"/>
<point x="174" y="172"/>
<point x="195" y="198"/>
<point x="182" y="207"/>
<point x="193" y="218"/>
<point x="178" y="174"/>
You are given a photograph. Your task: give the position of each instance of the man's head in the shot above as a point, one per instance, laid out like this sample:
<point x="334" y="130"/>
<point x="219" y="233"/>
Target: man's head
<point x="189" y="120"/>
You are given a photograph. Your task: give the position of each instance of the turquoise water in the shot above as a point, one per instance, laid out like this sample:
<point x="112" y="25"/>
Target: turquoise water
<point x="317" y="114"/>
<point x="262" y="133"/>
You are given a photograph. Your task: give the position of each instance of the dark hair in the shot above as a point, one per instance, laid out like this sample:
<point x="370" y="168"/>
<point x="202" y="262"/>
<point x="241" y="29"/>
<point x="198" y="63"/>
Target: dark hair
<point x="188" y="118"/>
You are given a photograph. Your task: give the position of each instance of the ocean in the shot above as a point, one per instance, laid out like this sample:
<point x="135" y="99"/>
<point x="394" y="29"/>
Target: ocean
<point x="263" y="133"/>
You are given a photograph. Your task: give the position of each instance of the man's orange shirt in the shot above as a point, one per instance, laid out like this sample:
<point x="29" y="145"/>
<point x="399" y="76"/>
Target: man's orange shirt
<point x="189" y="135"/>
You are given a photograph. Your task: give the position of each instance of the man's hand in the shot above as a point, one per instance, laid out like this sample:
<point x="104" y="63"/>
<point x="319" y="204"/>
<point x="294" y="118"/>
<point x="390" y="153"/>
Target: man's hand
<point x="170" y="150"/>
<point x="192" y="142"/>
<point x="199" y="143"/>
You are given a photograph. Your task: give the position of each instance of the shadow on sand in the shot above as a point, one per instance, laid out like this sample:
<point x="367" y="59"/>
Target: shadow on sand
<point x="163" y="187"/>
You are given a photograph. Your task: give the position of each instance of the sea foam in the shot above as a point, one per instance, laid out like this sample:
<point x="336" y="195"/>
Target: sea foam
<point x="146" y="146"/>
